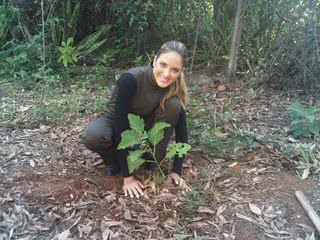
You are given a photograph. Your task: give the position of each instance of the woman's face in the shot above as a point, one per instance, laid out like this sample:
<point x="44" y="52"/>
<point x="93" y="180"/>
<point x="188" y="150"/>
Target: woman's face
<point x="167" y="68"/>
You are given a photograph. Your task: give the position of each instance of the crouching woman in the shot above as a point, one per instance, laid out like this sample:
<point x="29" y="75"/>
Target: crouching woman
<point x="156" y="93"/>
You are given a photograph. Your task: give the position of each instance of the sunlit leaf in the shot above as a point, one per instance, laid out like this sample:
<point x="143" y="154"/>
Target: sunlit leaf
<point x="156" y="133"/>
<point x="136" y="123"/>
<point x="179" y="149"/>
<point x="134" y="160"/>
<point x="129" y="138"/>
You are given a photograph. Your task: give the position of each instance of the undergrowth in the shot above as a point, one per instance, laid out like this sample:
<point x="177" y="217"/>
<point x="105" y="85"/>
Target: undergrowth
<point x="216" y="131"/>
<point x="193" y="200"/>
<point x="53" y="105"/>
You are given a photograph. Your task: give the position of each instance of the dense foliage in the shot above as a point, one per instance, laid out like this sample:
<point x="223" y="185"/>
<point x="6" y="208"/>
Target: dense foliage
<point x="279" y="41"/>
<point x="305" y="121"/>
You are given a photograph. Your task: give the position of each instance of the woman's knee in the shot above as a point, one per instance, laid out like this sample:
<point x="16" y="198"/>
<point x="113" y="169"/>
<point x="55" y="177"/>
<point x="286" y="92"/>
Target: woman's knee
<point x="173" y="107"/>
<point x="96" y="137"/>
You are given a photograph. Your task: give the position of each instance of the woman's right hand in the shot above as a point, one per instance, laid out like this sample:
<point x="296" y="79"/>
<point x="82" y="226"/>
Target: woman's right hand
<point x="132" y="186"/>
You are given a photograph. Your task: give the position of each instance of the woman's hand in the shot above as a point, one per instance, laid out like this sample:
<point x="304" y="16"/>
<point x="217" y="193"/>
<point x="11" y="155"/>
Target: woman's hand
<point x="180" y="181"/>
<point x="133" y="187"/>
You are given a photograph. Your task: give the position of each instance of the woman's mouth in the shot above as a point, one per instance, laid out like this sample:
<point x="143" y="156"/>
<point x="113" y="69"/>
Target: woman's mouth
<point x="164" y="80"/>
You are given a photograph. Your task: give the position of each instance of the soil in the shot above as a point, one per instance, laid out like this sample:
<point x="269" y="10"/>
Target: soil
<point x="63" y="185"/>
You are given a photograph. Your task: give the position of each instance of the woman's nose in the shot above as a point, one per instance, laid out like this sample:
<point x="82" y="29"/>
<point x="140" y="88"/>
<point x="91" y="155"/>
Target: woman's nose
<point x="166" y="72"/>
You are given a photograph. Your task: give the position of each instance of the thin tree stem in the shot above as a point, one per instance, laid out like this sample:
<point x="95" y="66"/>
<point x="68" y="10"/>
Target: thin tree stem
<point x="156" y="161"/>
<point x="43" y="42"/>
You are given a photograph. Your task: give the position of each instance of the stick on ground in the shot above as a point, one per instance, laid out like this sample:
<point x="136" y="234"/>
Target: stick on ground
<point x="308" y="209"/>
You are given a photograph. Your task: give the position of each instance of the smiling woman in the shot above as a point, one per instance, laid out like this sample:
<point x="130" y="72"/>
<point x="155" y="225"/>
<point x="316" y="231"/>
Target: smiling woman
<point x="156" y="93"/>
<point x="167" y="68"/>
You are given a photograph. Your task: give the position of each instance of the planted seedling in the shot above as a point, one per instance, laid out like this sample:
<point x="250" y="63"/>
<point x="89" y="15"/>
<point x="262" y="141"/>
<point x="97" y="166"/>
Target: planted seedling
<point x="140" y="141"/>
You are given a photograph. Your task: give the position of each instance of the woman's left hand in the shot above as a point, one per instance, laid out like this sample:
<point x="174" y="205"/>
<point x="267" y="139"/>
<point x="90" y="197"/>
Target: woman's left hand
<point x="180" y="181"/>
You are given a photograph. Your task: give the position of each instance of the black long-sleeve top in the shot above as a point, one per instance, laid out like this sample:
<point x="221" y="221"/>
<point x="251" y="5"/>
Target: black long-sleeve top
<point x="127" y="88"/>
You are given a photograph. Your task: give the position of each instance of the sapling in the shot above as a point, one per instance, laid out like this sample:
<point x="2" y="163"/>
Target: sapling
<point x="140" y="141"/>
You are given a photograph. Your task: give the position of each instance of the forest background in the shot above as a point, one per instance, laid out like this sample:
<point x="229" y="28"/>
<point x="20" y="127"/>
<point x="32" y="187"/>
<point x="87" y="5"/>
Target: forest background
<point x="279" y="43"/>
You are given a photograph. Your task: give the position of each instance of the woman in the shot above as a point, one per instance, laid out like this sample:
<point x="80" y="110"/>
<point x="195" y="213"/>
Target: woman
<point x="156" y="93"/>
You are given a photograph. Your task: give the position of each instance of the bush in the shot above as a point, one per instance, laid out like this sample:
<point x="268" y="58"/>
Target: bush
<point x="305" y="121"/>
<point x="8" y="16"/>
<point x="21" y="62"/>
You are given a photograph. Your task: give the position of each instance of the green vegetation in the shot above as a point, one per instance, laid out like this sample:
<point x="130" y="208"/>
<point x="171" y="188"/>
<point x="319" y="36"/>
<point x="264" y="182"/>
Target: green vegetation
<point x="306" y="157"/>
<point x="279" y="43"/>
<point x="305" y="122"/>
<point x="53" y="106"/>
<point x="216" y="131"/>
<point x="193" y="200"/>
<point x="147" y="142"/>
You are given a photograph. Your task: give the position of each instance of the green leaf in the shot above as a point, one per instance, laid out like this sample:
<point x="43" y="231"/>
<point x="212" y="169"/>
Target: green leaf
<point x="156" y="133"/>
<point x="305" y="121"/>
<point x="296" y="121"/>
<point x="136" y="123"/>
<point x="90" y="43"/>
<point x="91" y="49"/>
<point x="179" y="149"/>
<point x="134" y="160"/>
<point x="73" y="19"/>
<point x="297" y="110"/>
<point x="70" y="41"/>
<point x="296" y="127"/>
<point x="68" y="9"/>
<point x="315" y="127"/>
<point x="182" y="236"/>
<point x="129" y="138"/>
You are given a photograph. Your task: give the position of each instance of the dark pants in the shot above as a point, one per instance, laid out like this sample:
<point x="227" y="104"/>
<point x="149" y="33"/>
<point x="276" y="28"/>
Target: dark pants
<point x="97" y="136"/>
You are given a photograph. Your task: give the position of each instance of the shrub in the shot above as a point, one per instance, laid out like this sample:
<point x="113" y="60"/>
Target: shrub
<point x="305" y="121"/>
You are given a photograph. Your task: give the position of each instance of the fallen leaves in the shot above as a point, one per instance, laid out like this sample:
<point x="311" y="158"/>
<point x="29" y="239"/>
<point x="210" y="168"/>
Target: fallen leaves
<point x="202" y="209"/>
<point x="16" y="219"/>
<point x="65" y="235"/>
<point x="270" y="220"/>
<point x="198" y="225"/>
<point x="127" y="214"/>
<point x="32" y="163"/>
<point x="107" y="232"/>
<point x="254" y="208"/>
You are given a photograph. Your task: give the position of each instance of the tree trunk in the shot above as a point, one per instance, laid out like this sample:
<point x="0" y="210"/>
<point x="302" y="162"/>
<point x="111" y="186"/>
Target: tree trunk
<point x="195" y="43"/>
<point x="232" y="65"/>
<point x="217" y="8"/>
<point x="65" y="20"/>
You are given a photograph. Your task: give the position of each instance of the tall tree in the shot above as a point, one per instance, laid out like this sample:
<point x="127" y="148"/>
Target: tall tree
<point x="232" y="65"/>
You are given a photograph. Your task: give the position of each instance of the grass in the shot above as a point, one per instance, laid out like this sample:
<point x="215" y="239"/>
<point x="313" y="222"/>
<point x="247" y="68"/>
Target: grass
<point x="207" y="130"/>
<point x="8" y="109"/>
<point x="193" y="200"/>
<point x="57" y="107"/>
<point x="305" y="156"/>
<point x="53" y="105"/>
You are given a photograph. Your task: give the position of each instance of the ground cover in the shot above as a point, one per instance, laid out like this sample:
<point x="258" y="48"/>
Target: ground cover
<point x="243" y="169"/>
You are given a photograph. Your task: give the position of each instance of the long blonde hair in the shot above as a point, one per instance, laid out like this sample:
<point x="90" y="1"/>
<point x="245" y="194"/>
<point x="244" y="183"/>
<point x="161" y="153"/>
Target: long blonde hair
<point x="179" y="87"/>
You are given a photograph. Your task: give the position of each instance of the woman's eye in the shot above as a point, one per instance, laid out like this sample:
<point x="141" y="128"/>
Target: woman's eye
<point x="162" y="64"/>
